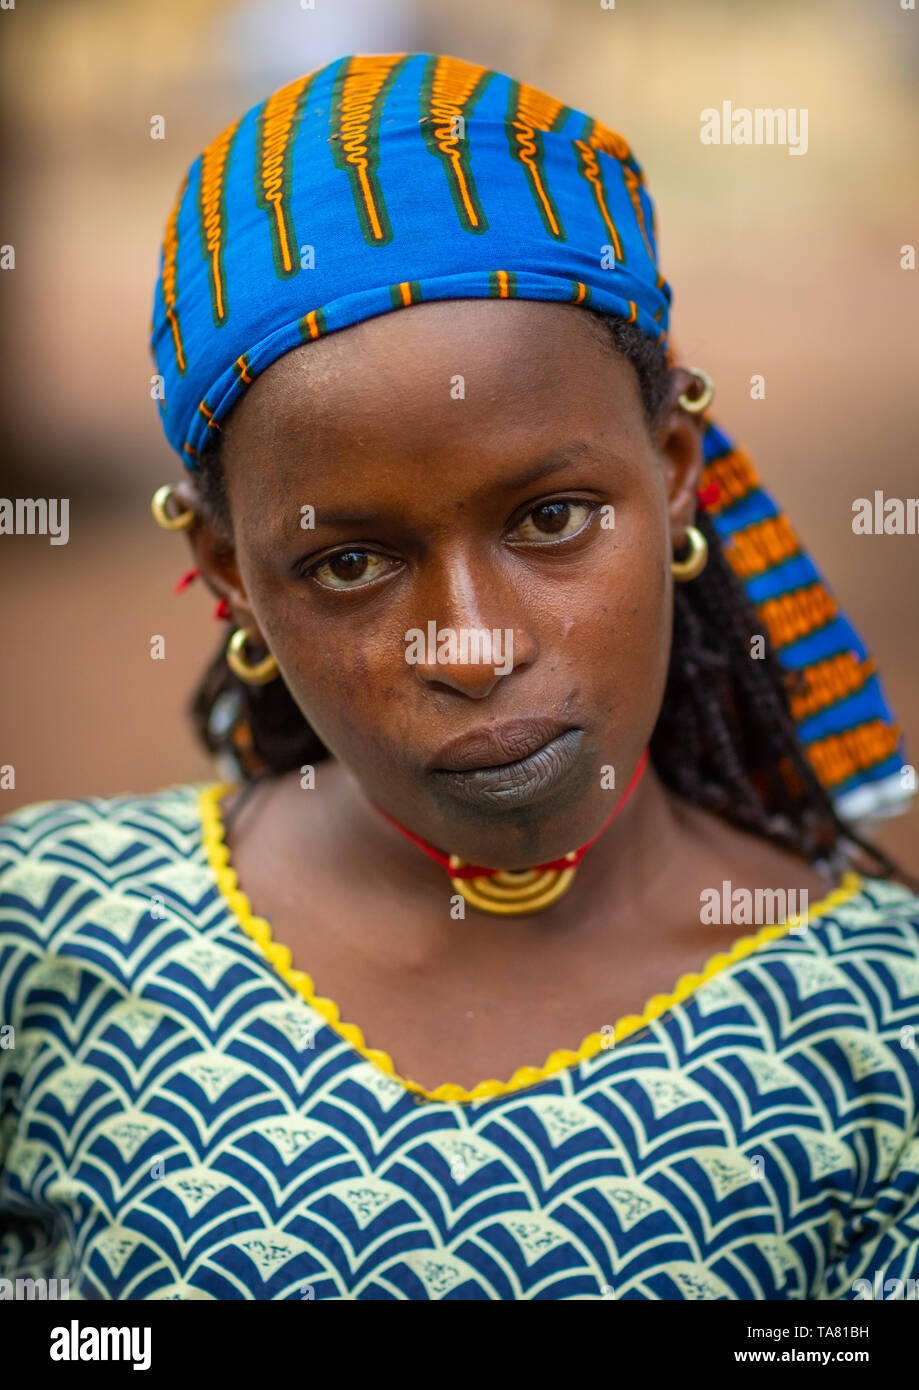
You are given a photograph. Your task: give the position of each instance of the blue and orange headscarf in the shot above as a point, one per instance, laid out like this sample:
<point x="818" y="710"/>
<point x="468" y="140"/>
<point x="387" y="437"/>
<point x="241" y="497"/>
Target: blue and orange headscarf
<point x="386" y="180"/>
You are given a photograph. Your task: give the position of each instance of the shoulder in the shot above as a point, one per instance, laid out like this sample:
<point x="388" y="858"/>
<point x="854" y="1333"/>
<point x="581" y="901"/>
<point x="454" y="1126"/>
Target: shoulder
<point x="868" y="914"/>
<point x="853" y="963"/>
<point x="864" y="918"/>
<point x="58" y="856"/>
<point x="101" y="826"/>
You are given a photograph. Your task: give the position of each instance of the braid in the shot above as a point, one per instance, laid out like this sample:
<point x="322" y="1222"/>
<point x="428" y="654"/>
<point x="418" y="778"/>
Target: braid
<point x="725" y="739"/>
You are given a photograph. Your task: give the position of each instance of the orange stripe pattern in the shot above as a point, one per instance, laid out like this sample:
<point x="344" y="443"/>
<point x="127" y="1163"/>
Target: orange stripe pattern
<point x="761" y="546"/>
<point x="828" y="681"/>
<point x="278" y="130"/>
<point x="213" y="216"/>
<point x="170" y="266"/>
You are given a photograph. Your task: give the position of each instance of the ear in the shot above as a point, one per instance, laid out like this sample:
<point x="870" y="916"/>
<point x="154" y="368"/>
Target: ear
<point x="215" y="556"/>
<point x="678" y="440"/>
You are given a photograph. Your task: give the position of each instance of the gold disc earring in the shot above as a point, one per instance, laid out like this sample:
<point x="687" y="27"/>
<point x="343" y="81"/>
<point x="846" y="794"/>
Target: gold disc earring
<point x="258" y="673"/>
<point x="180" y="522"/>
<point x="696" y="404"/>
<point x="696" y="559"/>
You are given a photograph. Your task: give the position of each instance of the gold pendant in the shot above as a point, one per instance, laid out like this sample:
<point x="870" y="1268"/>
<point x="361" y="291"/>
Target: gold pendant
<point x="513" y="892"/>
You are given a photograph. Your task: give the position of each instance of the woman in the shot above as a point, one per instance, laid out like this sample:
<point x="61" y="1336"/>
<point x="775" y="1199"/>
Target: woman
<point x="516" y="742"/>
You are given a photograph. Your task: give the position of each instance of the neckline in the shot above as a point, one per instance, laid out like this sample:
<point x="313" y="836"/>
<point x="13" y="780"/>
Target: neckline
<point x="562" y="1059"/>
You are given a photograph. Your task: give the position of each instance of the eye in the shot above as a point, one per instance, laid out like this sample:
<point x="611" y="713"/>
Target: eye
<point x="349" y="569"/>
<point x="560" y="519"/>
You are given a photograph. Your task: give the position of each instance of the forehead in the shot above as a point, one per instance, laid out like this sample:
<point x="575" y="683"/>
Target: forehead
<point x="445" y="364"/>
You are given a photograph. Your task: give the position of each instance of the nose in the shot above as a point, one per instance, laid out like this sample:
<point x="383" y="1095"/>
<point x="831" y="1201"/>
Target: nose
<point x="473" y="633"/>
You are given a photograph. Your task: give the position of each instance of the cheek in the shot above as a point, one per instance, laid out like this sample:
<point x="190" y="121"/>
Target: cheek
<point x="639" y="617"/>
<point x="614" y="629"/>
<point x="343" y="676"/>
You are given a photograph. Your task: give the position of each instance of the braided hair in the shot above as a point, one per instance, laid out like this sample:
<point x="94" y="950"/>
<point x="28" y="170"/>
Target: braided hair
<point x="725" y="738"/>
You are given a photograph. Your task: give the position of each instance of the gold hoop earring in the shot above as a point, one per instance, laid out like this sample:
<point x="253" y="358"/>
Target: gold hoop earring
<point x="696" y="404"/>
<point x="695" y="561"/>
<point x="257" y="674"/>
<point x="181" y="522"/>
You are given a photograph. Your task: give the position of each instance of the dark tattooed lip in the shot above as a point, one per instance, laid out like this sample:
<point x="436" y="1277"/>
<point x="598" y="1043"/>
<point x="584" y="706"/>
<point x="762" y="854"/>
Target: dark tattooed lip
<point x="497" y="745"/>
<point x="516" y="783"/>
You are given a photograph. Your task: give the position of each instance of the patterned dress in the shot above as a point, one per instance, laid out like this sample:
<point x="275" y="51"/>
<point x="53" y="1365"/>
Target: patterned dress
<point x="183" y="1118"/>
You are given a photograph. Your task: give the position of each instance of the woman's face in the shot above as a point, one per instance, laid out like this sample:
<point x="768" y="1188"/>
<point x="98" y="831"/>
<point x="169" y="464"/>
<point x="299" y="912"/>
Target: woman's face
<point x="454" y="521"/>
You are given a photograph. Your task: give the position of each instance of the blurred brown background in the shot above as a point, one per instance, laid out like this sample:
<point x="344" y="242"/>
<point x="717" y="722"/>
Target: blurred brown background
<point x="783" y="265"/>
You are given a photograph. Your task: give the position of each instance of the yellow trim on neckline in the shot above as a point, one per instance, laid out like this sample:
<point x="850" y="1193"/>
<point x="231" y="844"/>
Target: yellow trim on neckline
<point x="259" y="930"/>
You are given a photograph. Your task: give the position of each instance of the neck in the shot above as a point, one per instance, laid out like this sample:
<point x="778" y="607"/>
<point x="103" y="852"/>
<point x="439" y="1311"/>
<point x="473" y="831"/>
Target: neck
<point x="571" y="859"/>
<point x="623" y="857"/>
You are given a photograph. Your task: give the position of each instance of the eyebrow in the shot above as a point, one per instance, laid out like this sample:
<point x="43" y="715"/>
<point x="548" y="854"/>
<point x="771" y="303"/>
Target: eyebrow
<point x="554" y="462"/>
